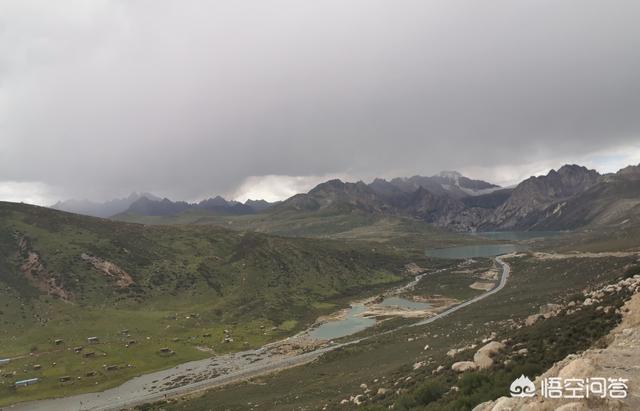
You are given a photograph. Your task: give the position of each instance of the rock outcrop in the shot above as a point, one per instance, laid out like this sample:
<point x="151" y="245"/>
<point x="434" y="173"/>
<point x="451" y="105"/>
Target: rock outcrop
<point x="484" y="356"/>
<point x="462" y="366"/>
<point x="619" y="359"/>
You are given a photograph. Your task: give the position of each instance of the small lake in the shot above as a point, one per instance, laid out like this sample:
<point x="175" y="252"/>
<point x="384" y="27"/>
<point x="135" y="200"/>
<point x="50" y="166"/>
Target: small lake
<point x="516" y="235"/>
<point x="473" y="251"/>
<point x="354" y="322"/>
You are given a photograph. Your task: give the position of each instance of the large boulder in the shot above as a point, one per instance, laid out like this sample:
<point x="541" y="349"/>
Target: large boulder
<point x="483" y="357"/>
<point x="462" y="366"/>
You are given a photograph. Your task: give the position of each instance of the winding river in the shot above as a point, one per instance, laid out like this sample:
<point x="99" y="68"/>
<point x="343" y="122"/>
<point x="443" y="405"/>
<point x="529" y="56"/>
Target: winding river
<point x="212" y="372"/>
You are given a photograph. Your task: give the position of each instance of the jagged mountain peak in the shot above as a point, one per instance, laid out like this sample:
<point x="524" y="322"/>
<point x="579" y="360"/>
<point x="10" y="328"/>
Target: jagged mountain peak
<point x="450" y="174"/>
<point x="339" y="185"/>
<point x="629" y="171"/>
<point x="218" y="201"/>
<point x="573" y="169"/>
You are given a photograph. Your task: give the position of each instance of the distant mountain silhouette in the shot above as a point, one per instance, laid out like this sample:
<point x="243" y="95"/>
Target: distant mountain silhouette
<point x="105" y="209"/>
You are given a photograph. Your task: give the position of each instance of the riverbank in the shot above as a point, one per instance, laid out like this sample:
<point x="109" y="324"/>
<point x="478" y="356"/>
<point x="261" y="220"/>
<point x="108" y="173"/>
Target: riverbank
<point x="212" y="372"/>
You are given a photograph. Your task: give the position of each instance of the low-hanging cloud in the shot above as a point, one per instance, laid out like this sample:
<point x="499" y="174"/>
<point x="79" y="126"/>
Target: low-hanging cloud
<point x="190" y="98"/>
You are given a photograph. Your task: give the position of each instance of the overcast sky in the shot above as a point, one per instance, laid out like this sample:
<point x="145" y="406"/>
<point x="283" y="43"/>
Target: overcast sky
<point x="265" y="98"/>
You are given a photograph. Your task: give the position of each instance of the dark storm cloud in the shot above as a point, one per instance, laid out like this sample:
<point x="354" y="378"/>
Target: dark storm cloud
<point x="190" y="98"/>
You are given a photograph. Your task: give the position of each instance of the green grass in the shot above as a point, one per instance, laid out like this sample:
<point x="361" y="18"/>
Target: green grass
<point x="386" y="360"/>
<point x="455" y="283"/>
<point x="547" y="342"/>
<point x="262" y="287"/>
<point x="352" y="225"/>
<point x="243" y="281"/>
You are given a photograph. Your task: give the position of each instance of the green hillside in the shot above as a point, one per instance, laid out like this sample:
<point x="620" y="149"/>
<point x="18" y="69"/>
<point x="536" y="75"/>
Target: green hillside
<point x="65" y="276"/>
<point x="352" y="225"/>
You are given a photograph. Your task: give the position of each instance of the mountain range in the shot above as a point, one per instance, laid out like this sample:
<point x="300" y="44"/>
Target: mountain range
<point x="151" y="205"/>
<point x="571" y="197"/>
<point x="96" y="209"/>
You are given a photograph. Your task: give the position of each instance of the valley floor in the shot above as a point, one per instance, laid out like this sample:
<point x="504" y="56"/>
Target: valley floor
<point x="222" y="370"/>
<point x="413" y="367"/>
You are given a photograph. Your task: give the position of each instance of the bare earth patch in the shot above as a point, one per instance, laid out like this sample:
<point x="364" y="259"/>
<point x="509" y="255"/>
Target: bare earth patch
<point x="37" y="274"/>
<point x="554" y="256"/>
<point x="122" y="278"/>
<point x="480" y="285"/>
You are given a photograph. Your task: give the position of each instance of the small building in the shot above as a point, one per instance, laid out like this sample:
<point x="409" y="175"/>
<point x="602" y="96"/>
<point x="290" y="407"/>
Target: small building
<point x="112" y="367"/>
<point x="4" y="361"/>
<point x="89" y="354"/>
<point x="24" y="383"/>
<point x="124" y="332"/>
<point x="91" y="374"/>
<point x="78" y="349"/>
<point x="93" y="340"/>
<point x="58" y="341"/>
<point x="37" y="367"/>
<point x="65" y="378"/>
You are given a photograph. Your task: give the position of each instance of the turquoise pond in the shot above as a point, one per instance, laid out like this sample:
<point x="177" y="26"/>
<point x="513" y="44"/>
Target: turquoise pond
<point x="491" y="250"/>
<point x="350" y="324"/>
<point x="354" y="322"/>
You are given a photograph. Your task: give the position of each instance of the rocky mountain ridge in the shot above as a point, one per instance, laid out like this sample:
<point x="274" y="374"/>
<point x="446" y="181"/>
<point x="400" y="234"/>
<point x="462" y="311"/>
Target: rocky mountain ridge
<point x="215" y="205"/>
<point x="572" y="196"/>
<point x="147" y="204"/>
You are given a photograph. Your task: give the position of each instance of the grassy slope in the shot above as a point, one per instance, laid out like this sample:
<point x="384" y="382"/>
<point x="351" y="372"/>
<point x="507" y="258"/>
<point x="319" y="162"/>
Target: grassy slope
<point x="260" y="287"/>
<point x="624" y="237"/>
<point x="387" y="359"/>
<point x="347" y="225"/>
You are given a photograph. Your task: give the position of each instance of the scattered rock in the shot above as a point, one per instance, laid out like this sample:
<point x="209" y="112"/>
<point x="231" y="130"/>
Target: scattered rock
<point x="419" y="365"/>
<point x="462" y="366"/>
<point x="483" y="357"/>
<point x="359" y="399"/>
<point x="532" y="319"/>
